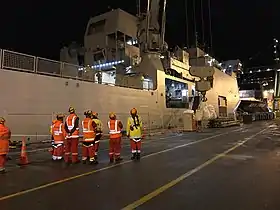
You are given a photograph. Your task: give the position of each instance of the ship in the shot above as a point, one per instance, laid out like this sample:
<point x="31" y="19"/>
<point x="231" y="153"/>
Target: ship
<point x="126" y="64"/>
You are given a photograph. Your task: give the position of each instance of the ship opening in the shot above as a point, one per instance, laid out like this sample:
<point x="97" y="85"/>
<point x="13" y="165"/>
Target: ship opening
<point x="176" y="94"/>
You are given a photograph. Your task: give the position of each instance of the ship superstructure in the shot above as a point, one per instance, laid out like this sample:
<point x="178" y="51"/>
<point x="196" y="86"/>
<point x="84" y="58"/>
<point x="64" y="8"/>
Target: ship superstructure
<point x="127" y="65"/>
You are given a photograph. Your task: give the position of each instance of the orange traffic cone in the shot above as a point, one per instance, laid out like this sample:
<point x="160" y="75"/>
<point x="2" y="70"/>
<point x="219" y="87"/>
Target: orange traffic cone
<point x="23" y="154"/>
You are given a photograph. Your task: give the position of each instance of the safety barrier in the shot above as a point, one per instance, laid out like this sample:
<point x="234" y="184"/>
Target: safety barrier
<point x="36" y="127"/>
<point x="15" y="61"/>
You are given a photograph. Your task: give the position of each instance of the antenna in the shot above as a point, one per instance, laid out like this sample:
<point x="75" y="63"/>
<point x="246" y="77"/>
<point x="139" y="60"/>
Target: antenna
<point x="163" y="22"/>
<point x="210" y="26"/>
<point x="202" y="21"/>
<point x="194" y="19"/>
<point x="138" y="3"/>
<point x="187" y="23"/>
<point x="147" y="24"/>
<point x="276" y="59"/>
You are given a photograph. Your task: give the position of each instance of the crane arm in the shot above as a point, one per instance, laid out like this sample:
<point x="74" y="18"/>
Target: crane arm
<point x="154" y="14"/>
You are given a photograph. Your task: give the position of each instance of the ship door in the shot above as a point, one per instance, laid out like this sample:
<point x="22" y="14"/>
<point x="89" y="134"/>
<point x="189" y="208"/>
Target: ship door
<point x="222" y="103"/>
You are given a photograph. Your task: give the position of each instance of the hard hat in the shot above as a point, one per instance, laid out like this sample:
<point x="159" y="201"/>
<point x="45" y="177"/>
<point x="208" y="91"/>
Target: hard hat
<point x="87" y="112"/>
<point x="2" y="120"/>
<point x="112" y="115"/>
<point x="71" y="109"/>
<point x="95" y="114"/>
<point x="133" y="111"/>
<point x="60" y="116"/>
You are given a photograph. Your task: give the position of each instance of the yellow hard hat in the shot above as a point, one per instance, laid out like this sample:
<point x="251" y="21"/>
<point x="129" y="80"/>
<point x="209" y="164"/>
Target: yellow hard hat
<point x="71" y="109"/>
<point x="2" y="120"/>
<point x="112" y="115"/>
<point x="133" y="111"/>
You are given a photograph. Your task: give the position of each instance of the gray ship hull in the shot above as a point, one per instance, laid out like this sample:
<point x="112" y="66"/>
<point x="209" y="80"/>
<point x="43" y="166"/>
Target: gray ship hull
<point x="30" y="101"/>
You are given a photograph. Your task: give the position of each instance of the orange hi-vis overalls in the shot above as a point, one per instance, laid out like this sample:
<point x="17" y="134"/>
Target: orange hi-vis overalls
<point x="51" y="127"/>
<point x="5" y="135"/>
<point x="58" y="133"/>
<point x="115" y="127"/>
<point x="72" y="139"/>
<point x="88" y="149"/>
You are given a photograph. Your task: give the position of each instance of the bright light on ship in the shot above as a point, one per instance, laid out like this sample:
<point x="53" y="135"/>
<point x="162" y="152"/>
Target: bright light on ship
<point x="102" y="65"/>
<point x="131" y="42"/>
<point x="109" y="64"/>
<point x="184" y="92"/>
<point x="211" y="61"/>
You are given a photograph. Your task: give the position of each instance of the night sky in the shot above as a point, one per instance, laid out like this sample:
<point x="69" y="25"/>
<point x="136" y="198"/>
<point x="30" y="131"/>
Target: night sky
<point x="240" y="29"/>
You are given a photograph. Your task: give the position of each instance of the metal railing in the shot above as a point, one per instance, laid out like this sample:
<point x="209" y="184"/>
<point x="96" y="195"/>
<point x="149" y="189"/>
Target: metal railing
<point x="15" y="61"/>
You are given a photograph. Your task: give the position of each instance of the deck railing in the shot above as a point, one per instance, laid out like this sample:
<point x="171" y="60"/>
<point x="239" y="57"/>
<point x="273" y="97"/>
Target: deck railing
<point x="16" y="61"/>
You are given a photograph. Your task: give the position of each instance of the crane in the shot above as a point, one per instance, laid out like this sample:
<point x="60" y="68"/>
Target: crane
<point x="150" y="34"/>
<point x="151" y="39"/>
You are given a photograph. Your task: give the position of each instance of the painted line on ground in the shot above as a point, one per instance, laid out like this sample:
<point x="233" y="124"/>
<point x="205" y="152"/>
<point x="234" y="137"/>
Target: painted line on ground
<point x="106" y="168"/>
<point x="107" y="140"/>
<point x="45" y="149"/>
<point x="169" y="185"/>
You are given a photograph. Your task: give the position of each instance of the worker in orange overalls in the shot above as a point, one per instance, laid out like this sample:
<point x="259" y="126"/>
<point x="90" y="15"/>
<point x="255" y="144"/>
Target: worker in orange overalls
<point x="134" y="132"/>
<point x="115" y="131"/>
<point x="89" y="132"/>
<point x="52" y="140"/>
<point x="98" y="132"/>
<point x="5" y="135"/>
<point x="72" y="137"/>
<point x="58" y="133"/>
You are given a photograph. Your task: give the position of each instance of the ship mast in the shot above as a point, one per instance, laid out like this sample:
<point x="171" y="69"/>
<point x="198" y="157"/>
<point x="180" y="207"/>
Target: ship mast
<point x="163" y="22"/>
<point x="150" y="37"/>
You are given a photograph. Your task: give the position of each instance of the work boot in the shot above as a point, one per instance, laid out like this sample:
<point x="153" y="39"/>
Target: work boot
<point x="118" y="159"/>
<point x="95" y="157"/>
<point x="84" y="161"/>
<point x="138" y="156"/>
<point x="3" y="171"/>
<point x="95" y="162"/>
<point x="133" y="156"/>
<point x="111" y="160"/>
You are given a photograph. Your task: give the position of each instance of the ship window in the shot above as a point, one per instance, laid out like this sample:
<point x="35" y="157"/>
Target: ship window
<point x="108" y="77"/>
<point x="119" y="36"/>
<point x="131" y="41"/>
<point x="98" y="56"/>
<point x="96" y="27"/>
<point x="222" y="102"/>
<point x="176" y="94"/>
<point x="147" y="84"/>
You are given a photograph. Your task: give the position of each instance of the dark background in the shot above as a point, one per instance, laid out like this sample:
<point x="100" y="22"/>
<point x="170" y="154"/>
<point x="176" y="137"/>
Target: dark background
<point x="240" y="29"/>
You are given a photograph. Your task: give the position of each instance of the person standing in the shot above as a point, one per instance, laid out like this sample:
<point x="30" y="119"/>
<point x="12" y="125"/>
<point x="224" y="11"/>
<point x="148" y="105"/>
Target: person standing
<point x="89" y="132"/>
<point x="5" y="135"/>
<point x="58" y="133"/>
<point x="115" y="131"/>
<point x="99" y="128"/>
<point x="72" y="138"/>
<point x="134" y="132"/>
